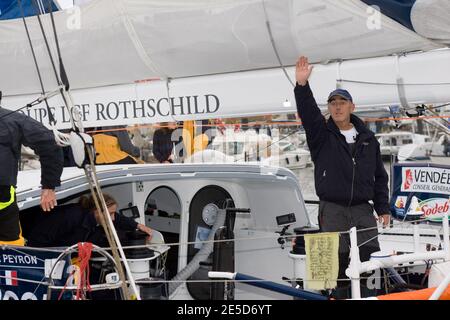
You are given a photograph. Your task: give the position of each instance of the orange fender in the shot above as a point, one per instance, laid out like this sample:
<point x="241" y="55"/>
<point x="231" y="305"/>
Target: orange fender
<point x="423" y="294"/>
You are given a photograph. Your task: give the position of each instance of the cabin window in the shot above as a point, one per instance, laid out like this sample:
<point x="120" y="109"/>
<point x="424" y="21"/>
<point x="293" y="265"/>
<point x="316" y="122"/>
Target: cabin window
<point x="162" y="213"/>
<point x="163" y="202"/>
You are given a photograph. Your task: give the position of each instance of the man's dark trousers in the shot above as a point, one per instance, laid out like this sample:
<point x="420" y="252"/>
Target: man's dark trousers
<point x="334" y="218"/>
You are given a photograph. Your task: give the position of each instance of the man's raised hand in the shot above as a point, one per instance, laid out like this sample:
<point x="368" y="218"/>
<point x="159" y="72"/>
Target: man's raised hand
<point x="302" y="70"/>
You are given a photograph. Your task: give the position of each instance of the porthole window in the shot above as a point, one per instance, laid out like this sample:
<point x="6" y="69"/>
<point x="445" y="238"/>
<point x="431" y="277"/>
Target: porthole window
<point x="163" y="202"/>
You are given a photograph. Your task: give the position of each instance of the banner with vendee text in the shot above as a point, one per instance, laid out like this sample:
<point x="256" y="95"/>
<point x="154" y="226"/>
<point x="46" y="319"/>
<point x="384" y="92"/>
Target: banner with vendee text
<point x="420" y="191"/>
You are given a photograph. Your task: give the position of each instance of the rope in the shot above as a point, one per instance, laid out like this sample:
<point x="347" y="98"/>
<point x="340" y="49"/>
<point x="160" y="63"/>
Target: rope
<point x="258" y="280"/>
<point x="5" y="246"/>
<point x="265" y="123"/>
<point x="44" y="35"/>
<point x="394" y="84"/>
<point x="185" y="281"/>
<point x="50" y="115"/>
<point x="275" y="237"/>
<point x="63" y="139"/>
<point x="63" y="76"/>
<point x="385" y="230"/>
<point x="105" y="219"/>
<point x="25" y="280"/>
<point x="84" y="254"/>
<point x="66" y="284"/>
<point x="272" y="41"/>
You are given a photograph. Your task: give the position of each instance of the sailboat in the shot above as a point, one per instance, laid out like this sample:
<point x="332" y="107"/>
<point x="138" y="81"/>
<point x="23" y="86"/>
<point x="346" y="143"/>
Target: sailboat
<point x="139" y="62"/>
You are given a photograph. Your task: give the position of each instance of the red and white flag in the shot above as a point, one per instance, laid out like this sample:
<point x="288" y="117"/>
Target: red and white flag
<point x="11" y="278"/>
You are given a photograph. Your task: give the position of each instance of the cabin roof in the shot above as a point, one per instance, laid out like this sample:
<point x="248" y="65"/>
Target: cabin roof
<point x="73" y="180"/>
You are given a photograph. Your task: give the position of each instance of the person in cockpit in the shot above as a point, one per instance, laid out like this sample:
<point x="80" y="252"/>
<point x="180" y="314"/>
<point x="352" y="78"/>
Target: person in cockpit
<point x="80" y="222"/>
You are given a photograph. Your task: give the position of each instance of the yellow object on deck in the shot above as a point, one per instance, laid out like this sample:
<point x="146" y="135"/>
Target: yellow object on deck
<point x="322" y="260"/>
<point x="107" y="149"/>
<point x="193" y="142"/>
<point x="200" y="142"/>
<point x="18" y="242"/>
<point x="188" y="134"/>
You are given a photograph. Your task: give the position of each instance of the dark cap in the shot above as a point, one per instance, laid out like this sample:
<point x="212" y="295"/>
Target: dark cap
<point x="341" y="93"/>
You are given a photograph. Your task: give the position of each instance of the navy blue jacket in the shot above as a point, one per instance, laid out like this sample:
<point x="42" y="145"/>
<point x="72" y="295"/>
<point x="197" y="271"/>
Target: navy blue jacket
<point x="341" y="176"/>
<point x="162" y="144"/>
<point x="17" y="129"/>
<point x="69" y="224"/>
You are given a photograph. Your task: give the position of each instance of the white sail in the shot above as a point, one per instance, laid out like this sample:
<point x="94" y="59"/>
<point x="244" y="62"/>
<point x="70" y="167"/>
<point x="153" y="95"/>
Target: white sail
<point x="221" y="57"/>
<point x="107" y="42"/>
<point x="373" y="82"/>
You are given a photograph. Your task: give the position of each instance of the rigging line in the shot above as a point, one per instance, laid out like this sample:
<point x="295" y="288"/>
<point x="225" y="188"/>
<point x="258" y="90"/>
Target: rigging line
<point x="144" y="281"/>
<point x="33" y="103"/>
<point x="277" y="236"/>
<point x="272" y="41"/>
<point x="386" y="230"/>
<point x="104" y="221"/>
<point x="25" y="253"/>
<point x="44" y="35"/>
<point x="65" y="93"/>
<point x="436" y="107"/>
<point x="171" y="109"/>
<point x="394" y="84"/>
<point x="90" y="170"/>
<point x="26" y="280"/>
<point x="438" y="127"/>
<point x="3" y="247"/>
<point x="50" y="115"/>
<point x="96" y="192"/>
<point x="41" y="6"/>
<point x="254" y="280"/>
<point x="62" y="69"/>
<point x="50" y="54"/>
<point x="39" y="285"/>
<point x="14" y="111"/>
<point x="109" y="228"/>
<point x="151" y="125"/>
<point x="274" y="123"/>
<point x="437" y="114"/>
<point x="367" y="119"/>
<point x="440" y="106"/>
<point x="59" y="137"/>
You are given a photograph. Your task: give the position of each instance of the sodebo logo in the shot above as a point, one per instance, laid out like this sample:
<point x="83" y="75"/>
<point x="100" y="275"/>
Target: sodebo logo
<point x="434" y="208"/>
